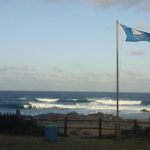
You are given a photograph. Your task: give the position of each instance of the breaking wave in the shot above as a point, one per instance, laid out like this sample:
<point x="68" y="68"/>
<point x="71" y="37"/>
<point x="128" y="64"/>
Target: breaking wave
<point x="87" y="106"/>
<point x="49" y="100"/>
<point x="23" y="98"/>
<point x="113" y="102"/>
<point x="77" y="104"/>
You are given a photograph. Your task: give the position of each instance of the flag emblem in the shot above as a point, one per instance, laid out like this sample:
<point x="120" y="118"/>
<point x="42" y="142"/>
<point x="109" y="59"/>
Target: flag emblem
<point x="134" y="35"/>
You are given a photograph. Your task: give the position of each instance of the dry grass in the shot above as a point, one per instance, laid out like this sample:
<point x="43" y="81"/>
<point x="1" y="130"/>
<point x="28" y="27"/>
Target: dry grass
<point x="34" y="143"/>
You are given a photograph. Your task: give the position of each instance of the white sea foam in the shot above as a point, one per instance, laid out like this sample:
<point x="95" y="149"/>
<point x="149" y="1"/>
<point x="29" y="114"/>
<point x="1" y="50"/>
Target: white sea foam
<point x="22" y="98"/>
<point x="87" y="106"/>
<point x="113" y="102"/>
<point x="74" y="99"/>
<point x="26" y="106"/>
<point x="51" y="105"/>
<point x="49" y="100"/>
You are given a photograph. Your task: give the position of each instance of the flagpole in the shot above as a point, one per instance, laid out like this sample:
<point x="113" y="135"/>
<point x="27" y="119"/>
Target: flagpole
<point x="117" y="75"/>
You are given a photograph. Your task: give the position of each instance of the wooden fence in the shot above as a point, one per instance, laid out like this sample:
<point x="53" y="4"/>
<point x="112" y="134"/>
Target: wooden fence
<point x="100" y="127"/>
<point x="67" y="126"/>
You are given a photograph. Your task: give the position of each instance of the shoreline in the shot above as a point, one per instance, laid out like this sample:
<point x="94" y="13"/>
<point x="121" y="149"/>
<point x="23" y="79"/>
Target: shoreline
<point x="142" y="115"/>
<point x="75" y="115"/>
<point x="93" y="116"/>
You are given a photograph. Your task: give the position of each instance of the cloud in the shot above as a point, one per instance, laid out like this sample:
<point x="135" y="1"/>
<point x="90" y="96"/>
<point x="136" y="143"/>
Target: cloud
<point x="27" y="78"/>
<point x="140" y="4"/>
<point x="83" y="77"/>
<point x="14" y="68"/>
<point x="57" y="70"/>
<point x="108" y="3"/>
<point x="146" y="6"/>
<point x="137" y="52"/>
<point x="144" y="25"/>
<point x="134" y="76"/>
<point x="18" y="73"/>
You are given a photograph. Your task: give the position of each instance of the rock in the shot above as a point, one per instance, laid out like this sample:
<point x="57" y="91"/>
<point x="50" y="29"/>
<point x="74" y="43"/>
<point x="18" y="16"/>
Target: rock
<point x="145" y="110"/>
<point x="96" y="115"/>
<point x="73" y="115"/>
<point x="55" y="116"/>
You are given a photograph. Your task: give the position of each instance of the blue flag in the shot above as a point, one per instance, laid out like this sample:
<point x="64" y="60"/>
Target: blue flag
<point x="134" y="35"/>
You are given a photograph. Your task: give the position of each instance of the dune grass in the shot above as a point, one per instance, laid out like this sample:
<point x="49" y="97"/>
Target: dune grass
<point x="35" y="143"/>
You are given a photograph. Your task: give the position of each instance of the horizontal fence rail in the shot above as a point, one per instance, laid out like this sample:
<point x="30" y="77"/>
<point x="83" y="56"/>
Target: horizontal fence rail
<point x="67" y="126"/>
<point x="99" y="124"/>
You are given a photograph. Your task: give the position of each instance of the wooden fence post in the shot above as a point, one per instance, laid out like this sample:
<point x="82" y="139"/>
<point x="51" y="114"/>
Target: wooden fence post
<point x="135" y="127"/>
<point x="115" y="126"/>
<point x="65" y="125"/>
<point x="100" y="127"/>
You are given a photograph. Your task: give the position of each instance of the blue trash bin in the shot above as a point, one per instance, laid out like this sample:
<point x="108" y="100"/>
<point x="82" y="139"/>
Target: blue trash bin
<point x="51" y="133"/>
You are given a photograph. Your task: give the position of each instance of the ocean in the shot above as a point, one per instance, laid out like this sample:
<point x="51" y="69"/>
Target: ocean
<point x="37" y="102"/>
